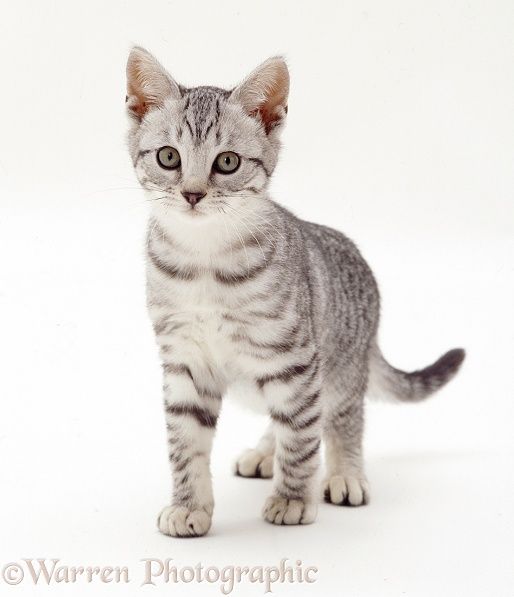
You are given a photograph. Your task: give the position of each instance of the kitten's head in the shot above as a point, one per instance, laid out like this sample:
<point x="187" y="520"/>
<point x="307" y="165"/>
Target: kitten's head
<point x="204" y="151"/>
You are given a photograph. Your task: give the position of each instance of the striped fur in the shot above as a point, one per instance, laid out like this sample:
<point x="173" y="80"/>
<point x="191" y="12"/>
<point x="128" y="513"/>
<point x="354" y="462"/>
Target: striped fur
<point x="244" y="295"/>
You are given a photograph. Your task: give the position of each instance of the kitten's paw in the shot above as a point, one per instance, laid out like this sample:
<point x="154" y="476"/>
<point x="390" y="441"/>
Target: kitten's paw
<point x="179" y="521"/>
<point x="253" y="464"/>
<point x="279" y="510"/>
<point x="346" y="490"/>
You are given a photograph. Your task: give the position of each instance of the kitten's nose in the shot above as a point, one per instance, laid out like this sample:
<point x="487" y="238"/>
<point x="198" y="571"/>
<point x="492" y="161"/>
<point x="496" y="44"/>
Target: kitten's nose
<point x="193" y="197"/>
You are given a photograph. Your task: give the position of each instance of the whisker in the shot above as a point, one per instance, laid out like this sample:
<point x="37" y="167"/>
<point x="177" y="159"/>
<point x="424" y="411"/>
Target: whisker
<point x="220" y="209"/>
<point x="245" y="224"/>
<point x="241" y="213"/>
<point x="230" y="219"/>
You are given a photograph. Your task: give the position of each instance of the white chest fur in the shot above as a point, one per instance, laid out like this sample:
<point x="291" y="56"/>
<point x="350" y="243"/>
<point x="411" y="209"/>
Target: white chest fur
<point x="209" y="298"/>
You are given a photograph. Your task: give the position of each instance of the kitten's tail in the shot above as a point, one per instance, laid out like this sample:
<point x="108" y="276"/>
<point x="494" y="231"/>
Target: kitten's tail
<point x="385" y="380"/>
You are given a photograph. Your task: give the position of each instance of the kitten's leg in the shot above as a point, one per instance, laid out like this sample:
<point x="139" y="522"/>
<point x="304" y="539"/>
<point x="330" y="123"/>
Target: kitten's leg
<point x="191" y="414"/>
<point x="345" y="483"/>
<point x="295" y="409"/>
<point x="258" y="462"/>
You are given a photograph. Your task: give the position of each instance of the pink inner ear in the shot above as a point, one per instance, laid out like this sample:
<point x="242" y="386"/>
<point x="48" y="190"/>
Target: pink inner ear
<point x="137" y="106"/>
<point x="148" y="84"/>
<point x="271" y="115"/>
<point x="137" y="101"/>
<point x="274" y="106"/>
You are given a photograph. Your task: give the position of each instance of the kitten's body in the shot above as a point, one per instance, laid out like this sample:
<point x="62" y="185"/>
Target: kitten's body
<point x="267" y="317"/>
<point x="245" y="296"/>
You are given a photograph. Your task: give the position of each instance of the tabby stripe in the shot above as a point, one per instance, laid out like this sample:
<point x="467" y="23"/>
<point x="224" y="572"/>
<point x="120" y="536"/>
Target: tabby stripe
<point x="177" y="369"/>
<point x="180" y="464"/>
<point x="293" y="422"/>
<point x="294" y="472"/>
<point x="260" y="163"/>
<point x="171" y="270"/>
<point x="248" y="241"/>
<point x="231" y="279"/>
<point x="202" y="415"/>
<point x="164" y="325"/>
<point x="183" y="369"/>
<point x="293" y="484"/>
<point x="304" y="458"/>
<point x="207" y="130"/>
<point x="182" y="480"/>
<point x="293" y="492"/>
<point x="186" y="121"/>
<point x="307" y="403"/>
<point x="305" y="442"/>
<point x="304" y="424"/>
<point x="266" y="314"/>
<point x="280" y="347"/>
<point x="182" y="496"/>
<point x="285" y="375"/>
<point x="312" y="375"/>
<point x="234" y="319"/>
<point x="343" y="413"/>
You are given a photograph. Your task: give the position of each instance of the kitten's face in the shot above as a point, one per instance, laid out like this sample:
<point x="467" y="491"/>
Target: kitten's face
<point x="204" y="151"/>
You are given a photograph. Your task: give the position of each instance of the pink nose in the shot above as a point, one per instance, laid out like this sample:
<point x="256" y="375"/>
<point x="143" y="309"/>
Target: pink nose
<point x="192" y="197"/>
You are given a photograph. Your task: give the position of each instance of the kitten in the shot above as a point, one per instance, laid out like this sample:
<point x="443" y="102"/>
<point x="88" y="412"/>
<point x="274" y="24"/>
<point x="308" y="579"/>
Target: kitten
<point x="243" y="294"/>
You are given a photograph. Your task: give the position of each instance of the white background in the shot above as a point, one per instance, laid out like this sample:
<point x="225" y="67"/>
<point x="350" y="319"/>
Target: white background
<point x="400" y="133"/>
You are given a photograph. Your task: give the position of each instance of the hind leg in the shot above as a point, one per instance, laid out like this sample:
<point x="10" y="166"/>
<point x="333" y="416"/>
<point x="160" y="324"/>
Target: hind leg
<point x="345" y="483"/>
<point x="258" y="462"/>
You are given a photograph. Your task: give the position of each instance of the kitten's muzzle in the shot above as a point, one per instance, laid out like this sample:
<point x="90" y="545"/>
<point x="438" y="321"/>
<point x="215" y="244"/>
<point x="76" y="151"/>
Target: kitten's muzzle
<point x="193" y="197"/>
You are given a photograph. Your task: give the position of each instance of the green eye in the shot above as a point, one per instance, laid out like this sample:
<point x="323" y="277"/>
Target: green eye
<point x="168" y="158"/>
<point x="227" y="162"/>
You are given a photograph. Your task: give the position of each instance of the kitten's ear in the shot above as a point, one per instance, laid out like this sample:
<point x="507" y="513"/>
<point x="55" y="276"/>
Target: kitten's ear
<point x="148" y="83"/>
<point x="264" y="92"/>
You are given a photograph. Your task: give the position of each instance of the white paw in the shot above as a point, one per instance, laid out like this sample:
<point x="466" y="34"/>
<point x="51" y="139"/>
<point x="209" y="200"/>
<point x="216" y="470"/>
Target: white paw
<point x="280" y="510"/>
<point x="179" y="521"/>
<point x="346" y="490"/>
<point x="252" y="463"/>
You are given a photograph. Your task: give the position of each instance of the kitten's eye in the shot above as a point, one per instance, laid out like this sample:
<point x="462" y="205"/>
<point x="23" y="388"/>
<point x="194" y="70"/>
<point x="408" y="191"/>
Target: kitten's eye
<point x="168" y="158"/>
<point x="227" y="162"/>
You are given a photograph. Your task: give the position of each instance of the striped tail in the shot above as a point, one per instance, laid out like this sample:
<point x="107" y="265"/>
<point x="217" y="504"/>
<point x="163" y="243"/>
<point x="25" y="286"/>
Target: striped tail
<point x="385" y="380"/>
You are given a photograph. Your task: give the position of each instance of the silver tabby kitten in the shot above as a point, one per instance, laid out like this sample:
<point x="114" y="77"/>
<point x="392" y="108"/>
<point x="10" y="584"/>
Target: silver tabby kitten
<point x="244" y="295"/>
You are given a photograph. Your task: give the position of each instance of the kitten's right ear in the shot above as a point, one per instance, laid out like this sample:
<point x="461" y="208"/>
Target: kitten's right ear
<point x="148" y="83"/>
<point x="263" y="94"/>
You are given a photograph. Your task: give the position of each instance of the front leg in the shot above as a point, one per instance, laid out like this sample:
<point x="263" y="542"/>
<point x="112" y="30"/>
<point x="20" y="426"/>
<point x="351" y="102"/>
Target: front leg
<point x="191" y="412"/>
<point x="293" y="396"/>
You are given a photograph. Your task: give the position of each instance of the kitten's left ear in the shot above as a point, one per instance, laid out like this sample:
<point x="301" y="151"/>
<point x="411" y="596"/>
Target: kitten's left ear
<point x="264" y="92"/>
<point x="148" y="83"/>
